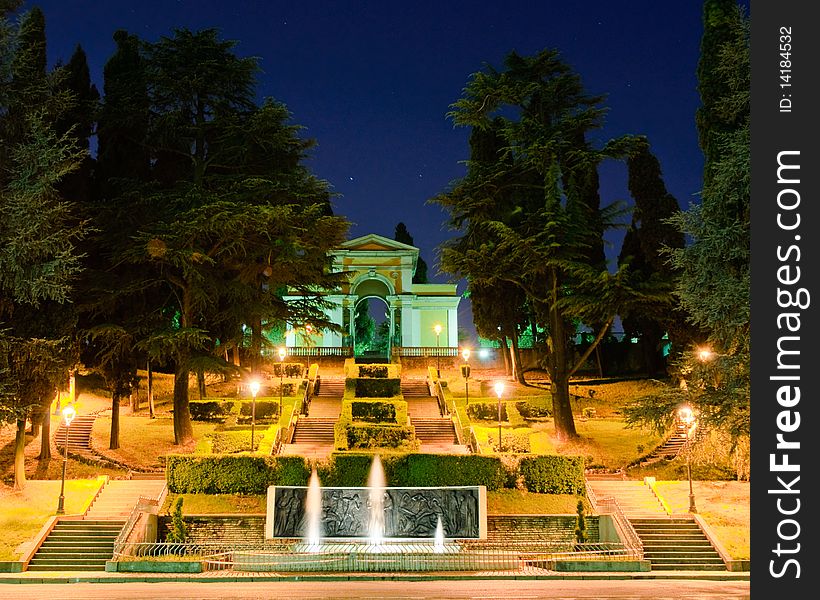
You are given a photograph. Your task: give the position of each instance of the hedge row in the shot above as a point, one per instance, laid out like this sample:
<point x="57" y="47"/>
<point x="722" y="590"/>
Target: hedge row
<point x="376" y="388"/>
<point x="291" y="369"/>
<point x="233" y="474"/>
<point x="267" y="409"/>
<point x="246" y="474"/>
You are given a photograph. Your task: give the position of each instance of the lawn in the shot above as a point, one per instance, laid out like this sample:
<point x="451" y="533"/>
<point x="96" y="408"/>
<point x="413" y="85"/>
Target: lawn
<point x="724" y="505"/>
<point x="25" y="512"/>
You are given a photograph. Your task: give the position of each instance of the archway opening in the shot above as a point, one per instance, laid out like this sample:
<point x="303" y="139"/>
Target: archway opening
<point x="372" y="325"/>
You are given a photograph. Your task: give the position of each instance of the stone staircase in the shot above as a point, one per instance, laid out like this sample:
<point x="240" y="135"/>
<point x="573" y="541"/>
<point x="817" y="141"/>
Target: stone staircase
<point x="119" y="497"/>
<point x="635" y="497"/>
<point x="85" y="543"/>
<point x="677" y="544"/>
<point x="77" y="545"/>
<point x="330" y="387"/>
<point x="669" y="449"/>
<point x="79" y="435"/>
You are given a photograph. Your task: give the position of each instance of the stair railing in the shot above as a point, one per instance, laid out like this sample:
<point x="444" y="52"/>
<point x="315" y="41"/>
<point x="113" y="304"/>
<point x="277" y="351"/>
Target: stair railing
<point x="144" y="503"/>
<point x="631" y="540"/>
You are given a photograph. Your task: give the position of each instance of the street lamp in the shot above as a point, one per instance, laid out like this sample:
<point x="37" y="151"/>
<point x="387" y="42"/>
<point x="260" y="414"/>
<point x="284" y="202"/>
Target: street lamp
<point x="437" y="329"/>
<point x="465" y="368"/>
<point x="254" y="390"/>
<point x="499" y="389"/>
<point x="282" y="354"/>
<point x="68" y="415"/>
<point x="686" y="415"/>
<point x="705" y="354"/>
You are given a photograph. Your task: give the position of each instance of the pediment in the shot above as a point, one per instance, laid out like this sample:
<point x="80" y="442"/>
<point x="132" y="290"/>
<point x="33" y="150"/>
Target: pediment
<point x="374" y="242"/>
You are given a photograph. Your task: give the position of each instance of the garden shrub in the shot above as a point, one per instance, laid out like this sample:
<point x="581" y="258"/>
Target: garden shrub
<point x="210" y="410"/>
<point x="531" y="412"/>
<point x="179" y="532"/>
<point x="377" y="388"/>
<point x="374" y="412"/>
<point x="378" y="436"/>
<point x="233" y="474"/>
<point x="376" y="371"/>
<point x="231" y="442"/>
<point x="511" y="442"/>
<point x="486" y="411"/>
<point x="553" y="474"/>
<point x="421" y="470"/>
<point x="292" y="370"/>
<point x="267" y="410"/>
<point x="345" y="470"/>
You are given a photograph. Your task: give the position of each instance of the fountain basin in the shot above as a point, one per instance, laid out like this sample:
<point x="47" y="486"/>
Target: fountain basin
<point x="366" y="558"/>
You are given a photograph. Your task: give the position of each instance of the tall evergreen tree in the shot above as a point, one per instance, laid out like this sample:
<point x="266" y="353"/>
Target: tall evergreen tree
<point x="646" y="249"/>
<point x="402" y="235"/>
<point x="38" y="233"/>
<point x="713" y="286"/>
<point x="541" y="177"/>
<point x="231" y="220"/>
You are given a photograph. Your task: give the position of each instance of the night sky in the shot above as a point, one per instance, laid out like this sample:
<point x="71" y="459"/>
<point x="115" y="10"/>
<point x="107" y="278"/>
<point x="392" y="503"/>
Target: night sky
<point x="371" y="82"/>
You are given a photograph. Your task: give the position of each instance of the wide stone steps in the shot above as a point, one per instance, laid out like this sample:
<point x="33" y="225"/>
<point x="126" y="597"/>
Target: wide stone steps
<point x="75" y="545"/>
<point x="415" y="389"/>
<point x="423" y="408"/>
<point x="119" y="497"/>
<point x="334" y="388"/>
<point x="635" y="498"/>
<point x="676" y="544"/>
<point x="311" y="430"/>
<point x="79" y="433"/>
<point x="435" y="430"/>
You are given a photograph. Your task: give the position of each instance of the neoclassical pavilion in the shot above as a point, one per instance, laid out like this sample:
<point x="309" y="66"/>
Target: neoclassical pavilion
<point x="382" y="268"/>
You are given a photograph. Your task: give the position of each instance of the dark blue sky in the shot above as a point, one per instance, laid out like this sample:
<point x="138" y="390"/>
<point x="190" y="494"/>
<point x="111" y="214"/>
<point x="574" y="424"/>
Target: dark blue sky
<point x="372" y="81"/>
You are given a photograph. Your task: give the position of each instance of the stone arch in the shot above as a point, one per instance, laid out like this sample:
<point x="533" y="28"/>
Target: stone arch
<point x="373" y="285"/>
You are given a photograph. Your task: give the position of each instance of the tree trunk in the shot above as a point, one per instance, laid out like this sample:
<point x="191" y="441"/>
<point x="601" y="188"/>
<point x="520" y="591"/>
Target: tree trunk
<point x="150" y="391"/>
<point x="560" y="370"/>
<point x="45" y="435"/>
<point x="518" y="371"/>
<point x="114" y="438"/>
<point x="256" y="343"/>
<point x="183" y="429"/>
<point x="506" y="354"/>
<point x="20" y="455"/>
<point x="135" y="400"/>
<point x="200" y="384"/>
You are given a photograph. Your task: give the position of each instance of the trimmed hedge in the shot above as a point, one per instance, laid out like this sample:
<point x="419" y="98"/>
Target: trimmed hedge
<point x="210" y="410"/>
<point x="377" y="371"/>
<point x="291" y="369"/>
<point x="378" y="436"/>
<point x="227" y="474"/>
<point x="548" y="474"/>
<point x="486" y="411"/>
<point x="231" y="442"/>
<point x="267" y="411"/>
<point x="373" y="411"/>
<point x="377" y="388"/>
<point x="417" y="470"/>
<point x="246" y="474"/>
<point x="532" y="412"/>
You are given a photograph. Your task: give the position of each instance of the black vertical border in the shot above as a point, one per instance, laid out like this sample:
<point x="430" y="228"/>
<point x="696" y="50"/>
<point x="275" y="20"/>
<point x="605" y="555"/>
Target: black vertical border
<point x="774" y="131"/>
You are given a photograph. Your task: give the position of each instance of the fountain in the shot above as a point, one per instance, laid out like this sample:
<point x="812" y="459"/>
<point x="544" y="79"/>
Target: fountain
<point x="376" y="484"/>
<point x="313" y="512"/>
<point x="373" y="528"/>
<point x="438" y="541"/>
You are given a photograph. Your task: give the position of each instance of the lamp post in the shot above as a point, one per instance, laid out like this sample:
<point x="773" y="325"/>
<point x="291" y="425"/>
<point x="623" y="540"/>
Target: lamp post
<point x="68" y="415"/>
<point x="437" y="329"/>
<point x="686" y="415"/>
<point x="465" y="368"/>
<point x="254" y="390"/>
<point x="499" y="389"/>
<point x="282" y="354"/>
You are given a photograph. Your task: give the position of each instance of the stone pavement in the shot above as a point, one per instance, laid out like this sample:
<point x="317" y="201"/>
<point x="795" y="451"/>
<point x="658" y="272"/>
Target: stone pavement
<point x="63" y="577"/>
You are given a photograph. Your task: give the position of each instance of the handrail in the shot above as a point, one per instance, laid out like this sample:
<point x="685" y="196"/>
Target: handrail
<point x="143" y="502"/>
<point x="627" y="532"/>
